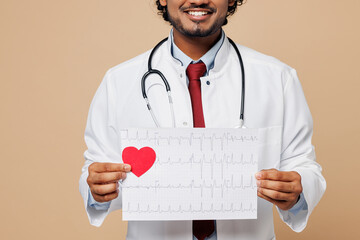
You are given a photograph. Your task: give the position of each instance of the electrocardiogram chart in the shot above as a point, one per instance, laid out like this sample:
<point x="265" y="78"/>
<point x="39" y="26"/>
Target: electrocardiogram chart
<point x="197" y="174"/>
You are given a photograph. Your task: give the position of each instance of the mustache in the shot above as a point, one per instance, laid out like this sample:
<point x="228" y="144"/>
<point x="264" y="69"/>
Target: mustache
<point x="195" y="6"/>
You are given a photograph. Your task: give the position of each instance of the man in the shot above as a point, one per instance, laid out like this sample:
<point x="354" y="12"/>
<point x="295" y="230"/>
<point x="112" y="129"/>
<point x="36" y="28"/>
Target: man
<point x="273" y="98"/>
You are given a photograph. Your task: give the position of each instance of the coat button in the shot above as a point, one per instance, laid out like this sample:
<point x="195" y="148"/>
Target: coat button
<point x="208" y="82"/>
<point x="185" y="123"/>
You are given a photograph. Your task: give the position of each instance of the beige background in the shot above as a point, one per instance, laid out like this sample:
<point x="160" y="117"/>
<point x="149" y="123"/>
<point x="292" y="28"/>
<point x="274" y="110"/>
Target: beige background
<point x="53" y="55"/>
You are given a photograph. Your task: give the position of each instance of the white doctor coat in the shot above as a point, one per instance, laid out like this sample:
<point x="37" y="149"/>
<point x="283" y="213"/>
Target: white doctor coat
<point x="273" y="97"/>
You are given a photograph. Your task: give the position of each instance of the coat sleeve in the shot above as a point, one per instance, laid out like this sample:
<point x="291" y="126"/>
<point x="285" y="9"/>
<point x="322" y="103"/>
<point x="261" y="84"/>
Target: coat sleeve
<point x="297" y="153"/>
<point x="102" y="145"/>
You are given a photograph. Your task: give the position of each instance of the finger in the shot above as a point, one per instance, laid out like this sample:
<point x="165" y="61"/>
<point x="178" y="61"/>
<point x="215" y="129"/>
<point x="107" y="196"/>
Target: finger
<point x="107" y="197"/>
<point x="283" y="205"/>
<point x="273" y="174"/>
<point x="275" y="195"/>
<point x="103" y="189"/>
<point x="109" y="167"/>
<point x="265" y="197"/>
<point x="286" y="187"/>
<point x="107" y="177"/>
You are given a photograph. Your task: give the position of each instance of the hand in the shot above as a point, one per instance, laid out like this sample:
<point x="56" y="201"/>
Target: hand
<point x="103" y="180"/>
<point x="280" y="188"/>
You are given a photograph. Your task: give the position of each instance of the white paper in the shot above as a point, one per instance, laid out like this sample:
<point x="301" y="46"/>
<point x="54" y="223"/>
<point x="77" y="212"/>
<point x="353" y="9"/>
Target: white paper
<point x="198" y="174"/>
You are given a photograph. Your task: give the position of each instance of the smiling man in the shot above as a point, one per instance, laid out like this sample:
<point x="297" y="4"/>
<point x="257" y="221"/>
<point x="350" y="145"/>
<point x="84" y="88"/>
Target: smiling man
<point x="202" y="68"/>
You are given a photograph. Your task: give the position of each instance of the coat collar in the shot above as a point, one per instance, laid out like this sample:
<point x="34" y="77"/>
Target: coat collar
<point x="220" y="60"/>
<point x="208" y="58"/>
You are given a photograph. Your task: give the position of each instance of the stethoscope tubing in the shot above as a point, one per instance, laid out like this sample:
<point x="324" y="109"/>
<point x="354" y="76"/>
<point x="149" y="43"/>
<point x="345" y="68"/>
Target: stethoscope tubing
<point x="168" y="90"/>
<point x="154" y="71"/>
<point x="242" y="109"/>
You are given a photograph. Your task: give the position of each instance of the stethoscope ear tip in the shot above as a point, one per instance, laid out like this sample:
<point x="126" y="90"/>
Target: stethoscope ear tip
<point x="240" y="124"/>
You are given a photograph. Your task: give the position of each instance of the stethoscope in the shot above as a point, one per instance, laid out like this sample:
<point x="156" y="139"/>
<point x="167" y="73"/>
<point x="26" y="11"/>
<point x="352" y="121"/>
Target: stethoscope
<point x="167" y="86"/>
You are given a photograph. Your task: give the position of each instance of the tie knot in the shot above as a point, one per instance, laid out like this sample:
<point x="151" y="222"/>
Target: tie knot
<point x="195" y="70"/>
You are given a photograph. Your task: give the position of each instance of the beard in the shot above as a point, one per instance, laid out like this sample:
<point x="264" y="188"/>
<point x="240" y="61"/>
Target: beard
<point x="197" y="30"/>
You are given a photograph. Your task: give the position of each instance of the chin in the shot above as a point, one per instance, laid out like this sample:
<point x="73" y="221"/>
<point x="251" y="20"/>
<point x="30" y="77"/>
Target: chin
<point x="198" y="31"/>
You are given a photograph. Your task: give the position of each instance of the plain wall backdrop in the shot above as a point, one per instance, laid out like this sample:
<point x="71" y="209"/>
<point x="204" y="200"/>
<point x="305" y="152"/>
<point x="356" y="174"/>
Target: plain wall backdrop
<point x="53" y="55"/>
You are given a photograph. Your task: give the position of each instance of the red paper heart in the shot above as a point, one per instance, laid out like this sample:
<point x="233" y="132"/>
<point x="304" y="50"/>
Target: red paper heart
<point x="139" y="160"/>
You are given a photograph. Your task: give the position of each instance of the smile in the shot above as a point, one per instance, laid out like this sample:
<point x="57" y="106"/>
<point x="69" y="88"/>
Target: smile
<point x="197" y="13"/>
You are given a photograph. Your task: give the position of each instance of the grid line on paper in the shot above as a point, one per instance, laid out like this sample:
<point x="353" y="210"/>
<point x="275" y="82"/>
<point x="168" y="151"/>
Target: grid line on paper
<point x="157" y="138"/>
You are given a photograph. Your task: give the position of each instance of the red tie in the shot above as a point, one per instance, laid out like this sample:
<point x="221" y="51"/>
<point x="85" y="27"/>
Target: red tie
<point x="194" y="72"/>
<point x="201" y="228"/>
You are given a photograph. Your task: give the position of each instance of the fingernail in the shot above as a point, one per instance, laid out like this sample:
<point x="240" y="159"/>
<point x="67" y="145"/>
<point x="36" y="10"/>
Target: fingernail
<point x="258" y="183"/>
<point x="126" y="167"/>
<point x="258" y="175"/>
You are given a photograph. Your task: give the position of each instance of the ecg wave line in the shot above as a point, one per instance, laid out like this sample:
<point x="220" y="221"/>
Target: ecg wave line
<point x="224" y="185"/>
<point x="226" y="137"/>
<point x="225" y="159"/>
<point x="190" y="209"/>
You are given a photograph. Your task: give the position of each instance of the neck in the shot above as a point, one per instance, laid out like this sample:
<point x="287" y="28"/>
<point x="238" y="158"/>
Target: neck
<point x="195" y="47"/>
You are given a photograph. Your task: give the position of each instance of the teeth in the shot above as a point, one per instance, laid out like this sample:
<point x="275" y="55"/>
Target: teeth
<point x="197" y="13"/>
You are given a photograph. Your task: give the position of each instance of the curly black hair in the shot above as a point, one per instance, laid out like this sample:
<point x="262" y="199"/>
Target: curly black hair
<point x="231" y="9"/>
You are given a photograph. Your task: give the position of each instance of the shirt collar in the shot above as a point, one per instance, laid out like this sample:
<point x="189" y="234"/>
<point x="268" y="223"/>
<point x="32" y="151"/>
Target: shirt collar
<point x="208" y="58"/>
